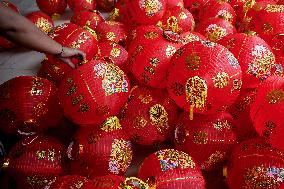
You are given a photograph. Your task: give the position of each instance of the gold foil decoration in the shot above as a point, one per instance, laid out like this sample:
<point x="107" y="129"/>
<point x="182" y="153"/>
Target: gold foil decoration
<point x="269" y="129"/>
<point x="215" y="159"/>
<point x="170" y="51"/>
<point x="159" y="117"/>
<point x="43" y="24"/>
<point x="145" y="99"/>
<point x="154" y="62"/>
<point x="139" y="122"/>
<point x="40" y="154"/>
<point x="77" y="99"/>
<point x="36" y="83"/>
<point x="114" y="14"/>
<point x="200" y="137"/>
<point x="91" y="31"/>
<point x="120" y="157"/>
<point x="172" y="24"/>
<point x="40" y="109"/>
<point x="84" y="108"/>
<point x="111" y="124"/>
<point x="196" y="93"/>
<point x="110" y="36"/>
<point x="151" y="35"/>
<point x="220" y="125"/>
<point x="215" y="32"/>
<point x="34" y="181"/>
<point x="192" y="61"/>
<point x="182" y="16"/>
<point x="274" y="8"/>
<point x="83" y="37"/>
<point x="237" y="85"/>
<point x="133" y="182"/>
<point x="221" y="80"/>
<point x="115" y="52"/>
<point x="151" y="7"/>
<point x="275" y="96"/>
<point x="224" y="14"/>
<point x="71" y="90"/>
<point x="267" y="28"/>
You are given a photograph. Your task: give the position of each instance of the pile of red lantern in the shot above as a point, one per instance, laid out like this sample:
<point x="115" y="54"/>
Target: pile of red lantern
<point x="174" y="94"/>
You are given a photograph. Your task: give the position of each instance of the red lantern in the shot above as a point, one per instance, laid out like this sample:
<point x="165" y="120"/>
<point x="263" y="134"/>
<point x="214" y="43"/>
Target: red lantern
<point x="174" y="3"/>
<point x="178" y="20"/>
<point x="112" y="31"/>
<point x="254" y="164"/>
<point x="41" y="20"/>
<point x="35" y="161"/>
<point x="200" y="71"/>
<point x="267" y="108"/>
<point x="90" y="19"/>
<point x="214" y="29"/>
<point x="150" y="61"/>
<point x="254" y="55"/>
<point x="30" y="104"/>
<point x="106" y="5"/>
<point x="73" y="36"/>
<point x="53" y="8"/>
<point x="146" y="12"/>
<point x="11" y="6"/>
<point x="100" y="151"/>
<point x="240" y="111"/>
<point x="207" y="138"/>
<point x="81" y="5"/>
<point x="70" y="182"/>
<point x="171" y="169"/>
<point x="93" y="92"/>
<point x="113" y="51"/>
<point x="214" y="9"/>
<point x="149" y="116"/>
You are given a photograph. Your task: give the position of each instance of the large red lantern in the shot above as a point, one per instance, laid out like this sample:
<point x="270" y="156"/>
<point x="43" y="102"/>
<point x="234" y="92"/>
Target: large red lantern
<point x="200" y="71"/>
<point x="35" y="161"/>
<point x="112" y="31"/>
<point x="171" y="169"/>
<point x="150" y="61"/>
<point x="41" y="20"/>
<point x="254" y="55"/>
<point x="214" y="29"/>
<point x="102" y="150"/>
<point x="70" y="182"/>
<point x="254" y="164"/>
<point x="267" y="108"/>
<point x="240" y="111"/>
<point x="87" y="19"/>
<point x="207" y="138"/>
<point x="29" y="104"/>
<point x="149" y="116"/>
<point x="81" y="5"/>
<point x="145" y="12"/>
<point x="53" y="8"/>
<point x="178" y="20"/>
<point x="93" y="92"/>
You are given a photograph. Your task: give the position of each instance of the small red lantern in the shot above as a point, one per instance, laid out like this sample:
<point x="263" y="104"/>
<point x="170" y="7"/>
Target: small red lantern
<point x="268" y="123"/>
<point x="214" y="29"/>
<point x="53" y="8"/>
<point x="149" y="116"/>
<point x="93" y="92"/>
<point x="254" y="55"/>
<point x="254" y="164"/>
<point x="178" y="20"/>
<point x="171" y="169"/>
<point x="106" y="5"/>
<point x="41" y="20"/>
<point x="81" y="5"/>
<point x="113" y="51"/>
<point x="145" y="12"/>
<point x="30" y="104"/>
<point x="90" y="19"/>
<point x="214" y="9"/>
<point x="240" y="111"/>
<point x="70" y="182"/>
<point x="150" y="61"/>
<point x="207" y="138"/>
<point x="35" y="161"/>
<point x="200" y="71"/>
<point x="112" y="31"/>
<point x="100" y="151"/>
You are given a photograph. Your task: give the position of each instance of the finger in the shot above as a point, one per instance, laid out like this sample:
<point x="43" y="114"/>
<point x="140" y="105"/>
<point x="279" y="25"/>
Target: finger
<point x="68" y="61"/>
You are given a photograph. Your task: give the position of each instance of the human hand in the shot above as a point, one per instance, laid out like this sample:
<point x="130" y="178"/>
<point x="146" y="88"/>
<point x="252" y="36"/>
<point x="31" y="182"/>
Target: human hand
<point x="68" y="53"/>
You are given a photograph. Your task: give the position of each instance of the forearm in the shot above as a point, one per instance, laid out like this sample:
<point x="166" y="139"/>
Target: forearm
<point x="21" y="31"/>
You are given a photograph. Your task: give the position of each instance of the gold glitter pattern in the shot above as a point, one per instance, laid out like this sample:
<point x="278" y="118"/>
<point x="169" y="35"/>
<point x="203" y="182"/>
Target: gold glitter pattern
<point x="110" y="36"/>
<point x="145" y="99"/>
<point x="40" y="109"/>
<point x="43" y="24"/>
<point x="36" y="83"/>
<point x="139" y="122"/>
<point x="111" y="124"/>
<point x="49" y="155"/>
<point x="267" y="28"/>
<point x="214" y="159"/>
<point x="115" y="52"/>
<point x="274" y="8"/>
<point x="170" y="50"/>
<point x="220" y="125"/>
<point x="215" y="32"/>
<point x="172" y="159"/>
<point x="192" y="61"/>
<point x="151" y="7"/>
<point x="224" y="14"/>
<point x="34" y="181"/>
<point x="275" y="96"/>
<point x="154" y="62"/>
<point x="200" y="137"/>
<point x="151" y="35"/>
<point x="133" y="182"/>
<point x="221" y="80"/>
<point x="120" y="157"/>
<point x="83" y="37"/>
<point x="182" y="16"/>
<point x="113" y="78"/>
<point x="159" y="117"/>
